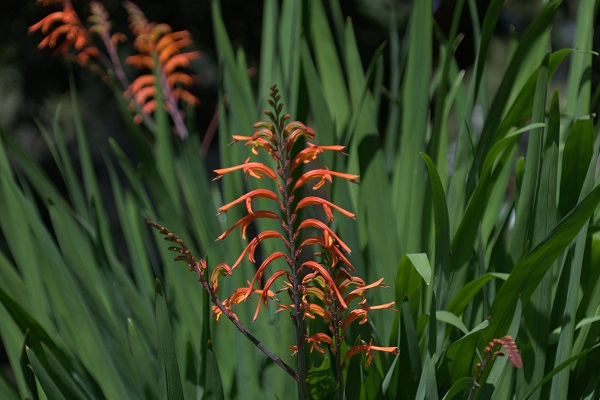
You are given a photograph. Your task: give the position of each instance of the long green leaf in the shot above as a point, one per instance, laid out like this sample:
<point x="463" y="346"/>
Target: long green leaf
<point x="169" y="380"/>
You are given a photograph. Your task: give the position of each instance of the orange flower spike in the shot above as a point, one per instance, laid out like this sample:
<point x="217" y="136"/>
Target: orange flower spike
<point x="324" y="174"/>
<point x="330" y="283"/>
<point x="265" y="291"/>
<point x="314" y="200"/>
<point x="247" y="220"/>
<point x="254" y="169"/>
<point x="220" y="270"/>
<point x="248" y="197"/>
<point x="367" y="349"/>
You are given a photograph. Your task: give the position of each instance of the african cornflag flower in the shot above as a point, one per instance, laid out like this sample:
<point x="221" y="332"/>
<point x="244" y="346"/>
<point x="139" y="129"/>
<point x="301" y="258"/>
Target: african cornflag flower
<point x="65" y="33"/>
<point x="325" y="288"/>
<point x="493" y="350"/>
<point x="161" y="53"/>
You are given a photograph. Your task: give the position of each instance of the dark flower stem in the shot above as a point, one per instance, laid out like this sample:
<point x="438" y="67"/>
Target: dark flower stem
<point x="297" y="316"/>
<point x="336" y="319"/>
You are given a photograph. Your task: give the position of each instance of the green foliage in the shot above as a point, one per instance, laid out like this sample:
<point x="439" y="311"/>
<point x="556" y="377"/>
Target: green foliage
<point x="471" y="255"/>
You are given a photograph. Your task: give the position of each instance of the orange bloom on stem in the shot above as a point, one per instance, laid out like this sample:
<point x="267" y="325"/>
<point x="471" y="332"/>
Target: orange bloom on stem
<point x="70" y="29"/>
<point x="321" y="292"/>
<point x="367" y="349"/>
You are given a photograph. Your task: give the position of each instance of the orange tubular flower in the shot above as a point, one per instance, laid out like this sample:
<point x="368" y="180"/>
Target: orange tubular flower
<point x="160" y="51"/>
<point x="367" y="349"/>
<point x="322" y="289"/>
<point x="67" y="26"/>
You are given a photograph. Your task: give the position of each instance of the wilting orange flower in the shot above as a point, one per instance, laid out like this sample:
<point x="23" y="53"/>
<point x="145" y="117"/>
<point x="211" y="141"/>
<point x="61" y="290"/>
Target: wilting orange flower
<point x="318" y="289"/>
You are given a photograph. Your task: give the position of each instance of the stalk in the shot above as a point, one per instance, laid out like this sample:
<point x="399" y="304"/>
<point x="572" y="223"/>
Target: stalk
<point x="284" y="167"/>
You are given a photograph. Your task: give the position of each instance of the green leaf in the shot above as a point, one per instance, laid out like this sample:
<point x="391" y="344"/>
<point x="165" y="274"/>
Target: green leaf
<point x="408" y="183"/>
<point x="458" y="304"/>
<point x="462" y="384"/>
<point x="561" y="367"/>
<point x="442" y="232"/>
<point x="577" y="155"/>
<point x="421" y="264"/>
<point x="47" y="382"/>
<point x="523" y="280"/>
<point x="320" y="381"/>
<point x="169" y="380"/>
<point x="452" y="319"/>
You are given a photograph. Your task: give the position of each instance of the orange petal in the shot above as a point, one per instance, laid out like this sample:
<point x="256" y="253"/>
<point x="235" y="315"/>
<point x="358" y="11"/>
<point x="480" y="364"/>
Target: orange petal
<point x="315" y="223"/>
<point x="268" y="194"/>
<point x="314" y="200"/>
<point x="323" y="174"/>
<point x="331" y="284"/>
<point x="265" y="291"/>
<point x="261" y="269"/>
<point x="254" y="169"/>
<point x="251" y="247"/>
<point x="247" y="220"/>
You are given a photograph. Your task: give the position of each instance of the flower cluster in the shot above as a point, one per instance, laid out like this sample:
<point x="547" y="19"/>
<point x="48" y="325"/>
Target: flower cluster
<point x="493" y="350"/>
<point x="66" y="24"/>
<point x="327" y="288"/>
<point x="160" y="52"/>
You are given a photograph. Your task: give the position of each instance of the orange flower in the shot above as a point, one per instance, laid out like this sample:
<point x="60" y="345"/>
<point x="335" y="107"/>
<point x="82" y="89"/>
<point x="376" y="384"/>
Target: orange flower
<point x="324" y="174"/>
<point x="248" y="197"/>
<point x="328" y="288"/>
<point x="254" y="169"/>
<point x="70" y="29"/>
<point x="315" y="340"/>
<point x="160" y="51"/>
<point x="367" y="349"/>
<point x="326" y="205"/>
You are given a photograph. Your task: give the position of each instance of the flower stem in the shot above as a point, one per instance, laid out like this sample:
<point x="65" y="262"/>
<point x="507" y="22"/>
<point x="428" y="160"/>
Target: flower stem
<point x="246" y="332"/>
<point x="297" y="316"/>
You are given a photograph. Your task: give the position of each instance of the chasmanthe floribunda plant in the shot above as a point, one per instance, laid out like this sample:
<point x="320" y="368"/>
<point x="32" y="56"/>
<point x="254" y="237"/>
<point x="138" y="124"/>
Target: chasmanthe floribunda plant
<point x="312" y="267"/>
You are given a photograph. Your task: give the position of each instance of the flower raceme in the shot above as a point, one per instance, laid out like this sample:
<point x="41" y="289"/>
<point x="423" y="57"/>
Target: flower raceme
<point x="327" y="288"/>
<point x="160" y="51"/>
